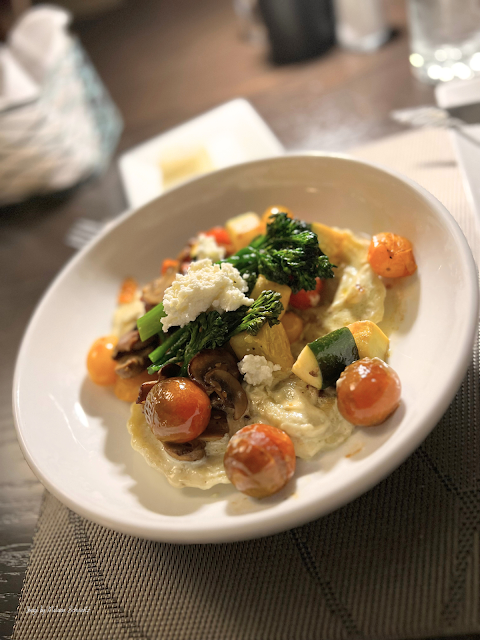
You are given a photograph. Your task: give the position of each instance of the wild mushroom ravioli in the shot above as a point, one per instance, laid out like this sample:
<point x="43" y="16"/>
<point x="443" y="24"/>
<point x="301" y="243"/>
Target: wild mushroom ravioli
<point x="239" y="355"/>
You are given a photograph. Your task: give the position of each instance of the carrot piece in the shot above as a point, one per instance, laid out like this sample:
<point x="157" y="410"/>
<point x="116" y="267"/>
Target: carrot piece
<point x="127" y="389"/>
<point x="169" y="263"/>
<point x="127" y="291"/>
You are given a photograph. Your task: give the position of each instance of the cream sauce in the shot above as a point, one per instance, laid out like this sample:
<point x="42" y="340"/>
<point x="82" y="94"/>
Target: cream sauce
<point x="310" y="418"/>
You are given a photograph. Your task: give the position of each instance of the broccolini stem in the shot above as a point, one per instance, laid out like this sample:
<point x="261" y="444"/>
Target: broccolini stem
<point x="170" y="342"/>
<point x="156" y="367"/>
<point x="149" y="324"/>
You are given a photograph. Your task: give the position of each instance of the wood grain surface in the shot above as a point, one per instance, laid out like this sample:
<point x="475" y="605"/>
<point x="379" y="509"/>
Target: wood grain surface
<point x="164" y="62"/>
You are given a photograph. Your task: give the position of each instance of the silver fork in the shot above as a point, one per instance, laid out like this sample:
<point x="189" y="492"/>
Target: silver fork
<point x="82" y="231"/>
<point x="429" y="116"/>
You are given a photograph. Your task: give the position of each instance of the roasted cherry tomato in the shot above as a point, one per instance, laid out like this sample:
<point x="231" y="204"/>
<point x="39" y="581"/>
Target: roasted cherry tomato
<point x="127" y="291"/>
<point x="127" y="389"/>
<point x="221" y="236"/>
<point x="307" y="299"/>
<point x="177" y="410"/>
<point x="273" y="211"/>
<point x="168" y="264"/>
<point x="293" y="325"/>
<point x="391" y="256"/>
<point x="368" y="391"/>
<point x="259" y="460"/>
<point x="100" y="366"/>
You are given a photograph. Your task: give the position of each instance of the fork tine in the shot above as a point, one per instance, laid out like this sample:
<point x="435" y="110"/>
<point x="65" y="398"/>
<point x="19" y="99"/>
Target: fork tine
<point x="82" y="231"/>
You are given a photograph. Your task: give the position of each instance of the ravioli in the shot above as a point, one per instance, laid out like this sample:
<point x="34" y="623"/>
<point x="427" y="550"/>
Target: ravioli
<point x="310" y="418"/>
<point x="202" y="474"/>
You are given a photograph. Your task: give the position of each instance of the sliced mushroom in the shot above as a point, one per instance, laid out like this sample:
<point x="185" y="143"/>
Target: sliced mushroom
<point x="216" y="428"/>
<point x="144" y="390"/>
<point x="229" y="390"/>
<point x="185" y="252"/>
<point x="152" y="293"/>
<point x="169" y="371"/>
<point x="185" y="451"/>
<point x="210" y="359"/>
<point x="131" y="342"/>
<point x="131" y="364"/>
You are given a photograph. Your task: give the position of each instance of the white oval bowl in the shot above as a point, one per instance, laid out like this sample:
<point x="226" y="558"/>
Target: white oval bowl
<point x="73" y="433"/>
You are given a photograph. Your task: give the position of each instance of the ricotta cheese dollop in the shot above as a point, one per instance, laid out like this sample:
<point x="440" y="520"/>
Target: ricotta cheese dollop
<point x="206" y="247"/>
<point x="205" y="286"/>
<point x="257" y="370"/>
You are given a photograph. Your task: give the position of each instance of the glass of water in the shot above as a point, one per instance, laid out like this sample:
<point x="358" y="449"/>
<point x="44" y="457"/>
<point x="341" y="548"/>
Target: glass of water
<point x="444" y="39"/>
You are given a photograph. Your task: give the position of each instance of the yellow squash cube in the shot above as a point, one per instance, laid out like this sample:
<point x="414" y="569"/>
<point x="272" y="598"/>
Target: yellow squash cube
<point x="270" y="342"/>
<point x="243" y="229"/>
<point x="262" y="284"/>
<point x="370" y="340"/>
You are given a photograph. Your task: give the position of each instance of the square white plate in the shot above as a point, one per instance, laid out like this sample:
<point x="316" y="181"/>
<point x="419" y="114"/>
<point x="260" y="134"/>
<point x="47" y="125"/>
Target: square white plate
<point x="230" y="134"/>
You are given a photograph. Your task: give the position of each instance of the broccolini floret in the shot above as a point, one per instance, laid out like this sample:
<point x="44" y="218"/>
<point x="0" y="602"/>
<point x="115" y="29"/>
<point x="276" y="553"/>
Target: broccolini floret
<point x="287" y="254"/>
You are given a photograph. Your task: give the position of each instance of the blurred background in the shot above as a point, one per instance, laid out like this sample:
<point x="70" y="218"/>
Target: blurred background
<point x="324" y="74"/>
<point x="85" y="83"/>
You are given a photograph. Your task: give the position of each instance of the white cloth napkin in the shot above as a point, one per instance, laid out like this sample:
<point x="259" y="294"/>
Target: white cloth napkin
<point x="50" y="137"/>
<point x="34" y="46"/>
<point x="16" y="86"/>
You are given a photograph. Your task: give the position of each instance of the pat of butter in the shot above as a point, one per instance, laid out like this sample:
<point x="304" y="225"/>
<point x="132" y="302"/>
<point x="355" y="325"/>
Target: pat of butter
<point x="180" y="164"/>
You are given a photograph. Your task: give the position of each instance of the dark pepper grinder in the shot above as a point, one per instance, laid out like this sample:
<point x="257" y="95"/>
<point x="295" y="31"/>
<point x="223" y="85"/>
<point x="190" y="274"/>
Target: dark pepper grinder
<point x="298" y="29"/>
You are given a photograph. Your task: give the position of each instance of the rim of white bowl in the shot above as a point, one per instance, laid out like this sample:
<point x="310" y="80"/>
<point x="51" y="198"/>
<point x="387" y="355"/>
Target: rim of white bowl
<point x="263" y="523"/>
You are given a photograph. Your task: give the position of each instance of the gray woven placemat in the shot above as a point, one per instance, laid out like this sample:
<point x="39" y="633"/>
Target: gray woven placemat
<point x="402" y="561"/>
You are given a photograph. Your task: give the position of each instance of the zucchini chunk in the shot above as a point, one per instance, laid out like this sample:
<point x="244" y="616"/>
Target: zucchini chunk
<point x="370" y="339"/>
<point x="322" y="361"/>
<point x="307" y="368"/>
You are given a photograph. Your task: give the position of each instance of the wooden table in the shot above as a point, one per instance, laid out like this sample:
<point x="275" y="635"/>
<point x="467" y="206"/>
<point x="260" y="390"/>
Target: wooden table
<point x="165" y="62"/>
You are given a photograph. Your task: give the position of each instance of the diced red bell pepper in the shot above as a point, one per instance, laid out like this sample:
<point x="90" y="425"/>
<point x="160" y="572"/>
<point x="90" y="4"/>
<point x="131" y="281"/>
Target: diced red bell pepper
<point x="220" y="234"/>
<point x="307" y="299"/>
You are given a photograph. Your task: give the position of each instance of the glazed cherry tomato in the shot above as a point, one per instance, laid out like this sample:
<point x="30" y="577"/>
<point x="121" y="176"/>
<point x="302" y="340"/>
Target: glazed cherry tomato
<point x="273" y="211"/>
<point x="293" y="325"/>
<point x="177" y="410"/>
<point x="368" y="391"/>
<point x="391" y="256"/>
<point x="126" y="389"/>
<point x="259" y="460"/>
<point x="221" y="236"/>
<point x="100" y="366"/>
<point x="127" y="291"/>
<point x="307" y="299"/>
<point x="168" y="264"/>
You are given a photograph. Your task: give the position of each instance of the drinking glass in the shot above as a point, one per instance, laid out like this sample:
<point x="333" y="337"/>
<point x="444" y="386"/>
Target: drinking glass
<point x="444" y="39"/>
